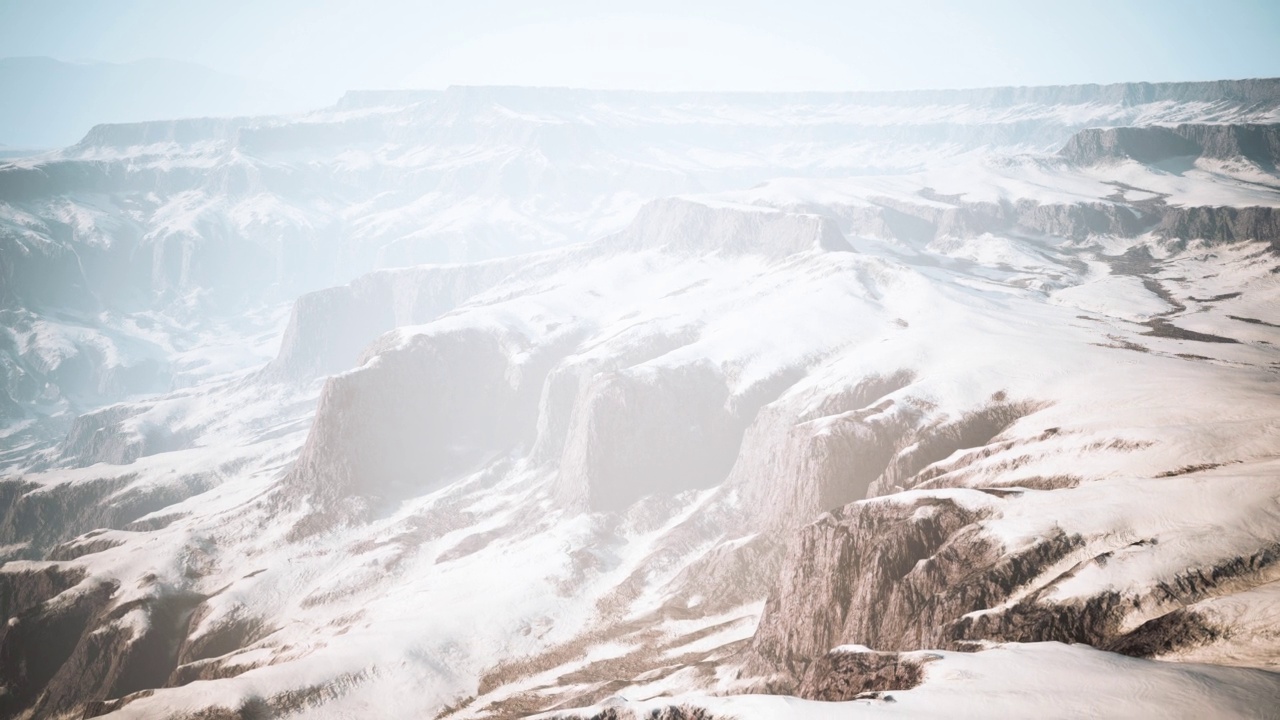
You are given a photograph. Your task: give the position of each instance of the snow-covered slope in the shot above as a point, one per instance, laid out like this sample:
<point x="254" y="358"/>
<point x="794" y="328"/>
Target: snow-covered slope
<point x="769" y="376"/>
<point x="129" y="246"/>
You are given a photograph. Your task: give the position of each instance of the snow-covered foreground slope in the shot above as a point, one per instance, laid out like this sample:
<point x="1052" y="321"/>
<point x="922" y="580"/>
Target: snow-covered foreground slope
<point x="1013" y="681"/>
<point x="810" y="434"/>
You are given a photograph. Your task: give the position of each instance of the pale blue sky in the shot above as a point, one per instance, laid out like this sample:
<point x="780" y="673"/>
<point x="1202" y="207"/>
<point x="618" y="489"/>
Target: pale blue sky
<point x="327" y="47"/>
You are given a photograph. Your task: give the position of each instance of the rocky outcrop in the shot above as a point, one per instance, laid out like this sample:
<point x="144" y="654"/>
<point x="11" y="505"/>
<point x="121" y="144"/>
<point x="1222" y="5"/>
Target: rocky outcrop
<point x="115" y="435"/>
<point x="856" y="443"/>
<point x="688" y="228"/>
<point x="918" y="224"/>
<point x="329" y="328"/>
<point x="940" y="439"/>
<point x="670" y="712"/>
<point x="795" y="466"/>
<point x="567" y="383"/>
<point x="848" y="672"/>
<point x="186" y="131"/>
<point x="1144" y="144"/>
<point x="69" y="646"/>
<point x="640" y="432"/>
<point x="206" y="652"/>
<point x="37" y="518"/>
<point x="66" y="652"/>
<point x="418" y="411"/>
<point x="407" y="418"/>
<point x="1079" y="220"/>
<point x="915" y="571"/>
<point x="646" y="429"/>
<point x="1222" y="224"/>
<point x="1257" y="143"/>
<point x="922" y="224"/>
<point x="887" y="574"/>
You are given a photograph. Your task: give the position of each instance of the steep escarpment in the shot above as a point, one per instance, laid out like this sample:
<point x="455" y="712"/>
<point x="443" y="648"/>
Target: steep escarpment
<point x="951" y="219"/>
<point x="931" y="218"/>
<point x="36" y="519"/>
<point x="802" y="459"/>
<point x="118" y="435"/>
<point x="185" y="131"/>
<point x="1144" y="144"/>
<point x="417" y="413"/>
<point x="849" y="672"/>
<point x="794" y="467"/>
<point x="689" y="228"/>
<point x="78" y="646"/>
<point x="1254" y="142"/>
<point x="387" y="428"/>
<point x="614" y="412"/>
<point x="649" y="431"/>
<point x="1222" y="224"/>
<point x="329" y="328"/>
<point x="934" y="570"/>
<point x="880" y="574"/>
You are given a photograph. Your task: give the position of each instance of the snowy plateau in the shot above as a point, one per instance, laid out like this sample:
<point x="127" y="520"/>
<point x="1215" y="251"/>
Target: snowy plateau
<point x="500" y="402"/>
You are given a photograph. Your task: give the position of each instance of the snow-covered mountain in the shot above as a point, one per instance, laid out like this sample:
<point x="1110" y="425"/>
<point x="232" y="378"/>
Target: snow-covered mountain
<point x="649" y="405"/>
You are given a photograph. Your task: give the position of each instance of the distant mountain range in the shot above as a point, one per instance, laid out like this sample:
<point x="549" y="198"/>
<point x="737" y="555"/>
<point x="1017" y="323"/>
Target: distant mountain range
<point x="51" y="103"/>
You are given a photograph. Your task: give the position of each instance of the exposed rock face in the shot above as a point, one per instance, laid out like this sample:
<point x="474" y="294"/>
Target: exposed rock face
<point x="1148" y="145"/>
<point x="847" y="673"/>
<point x="917" y="571"/>
<point x="672" y="712"/>
<point x="417" y="412"/>
<point x="1258" y="143"/>
<point x="568" y="382"/>
<point x="660" y="431"/>
<point x="940" y="439"/>
<point x="63" y="652"/>
<point x="24" y="589"/>
<point x="1079" y="220"/>
<point x="921" y="224"/>
<point x="38" y="518"/>
<point x="330" y="328"/>
<point x="793" y="467"/>
<point x="407" y="420"/>
<point x="183" y="131"/>
<point x="694" y="229"/>
<point x="619" y="428"/>
<point x="1222" y="224"/>
<point x="852" y="444"/>
<point x="887" y="574"/>
<point x="113" y="435"/>
<point x="204" y="649"/>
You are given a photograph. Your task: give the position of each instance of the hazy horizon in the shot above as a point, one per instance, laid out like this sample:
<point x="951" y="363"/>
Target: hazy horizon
<point x="330" y="47"/>
<point x="142" y="60"/>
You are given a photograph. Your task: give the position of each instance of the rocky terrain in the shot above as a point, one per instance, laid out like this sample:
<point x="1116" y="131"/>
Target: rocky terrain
<point x="498" y="401"/>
